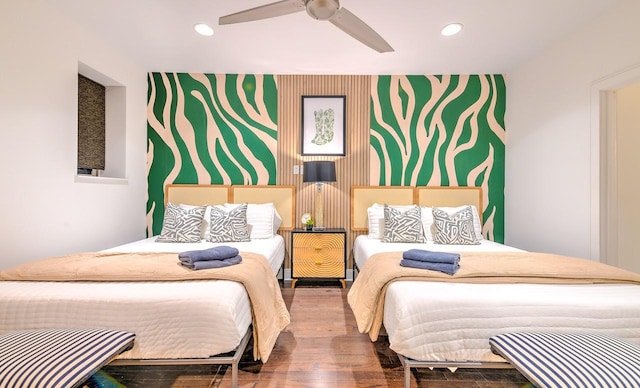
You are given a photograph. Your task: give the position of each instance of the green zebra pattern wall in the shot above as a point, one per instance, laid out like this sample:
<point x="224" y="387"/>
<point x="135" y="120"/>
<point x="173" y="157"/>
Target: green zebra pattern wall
<point x="441" y="131"/>
<point x="424" y="130"/>
<point x="208" y="129"/>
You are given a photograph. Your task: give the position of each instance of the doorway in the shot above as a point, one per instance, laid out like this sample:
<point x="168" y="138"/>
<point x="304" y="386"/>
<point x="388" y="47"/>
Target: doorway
<point x="628" y="177"/>
<point x="618" y="194"/>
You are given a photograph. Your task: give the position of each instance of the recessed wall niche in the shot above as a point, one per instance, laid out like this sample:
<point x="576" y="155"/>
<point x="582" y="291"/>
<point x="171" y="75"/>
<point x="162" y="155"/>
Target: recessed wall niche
<point x="114" y="123"/>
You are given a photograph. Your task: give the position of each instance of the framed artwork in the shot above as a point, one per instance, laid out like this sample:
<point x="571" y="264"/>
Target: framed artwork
<point x="323" y="125"/>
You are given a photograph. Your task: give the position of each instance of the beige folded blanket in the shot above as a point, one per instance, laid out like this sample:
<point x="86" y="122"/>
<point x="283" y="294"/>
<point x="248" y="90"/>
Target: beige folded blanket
<point x="269" y="312"/>
<point x="366" y="296"/>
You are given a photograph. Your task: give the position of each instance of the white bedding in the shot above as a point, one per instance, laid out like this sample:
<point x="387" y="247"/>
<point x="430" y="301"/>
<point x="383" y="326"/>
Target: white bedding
<point x="271" y="248"/>
<point x="430" y="321"/>
<point x="189" y="319"/>
<point x="365" y="246"/>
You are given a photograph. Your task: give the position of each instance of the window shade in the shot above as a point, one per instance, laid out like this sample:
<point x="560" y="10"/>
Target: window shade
<point x="91" y="124"/>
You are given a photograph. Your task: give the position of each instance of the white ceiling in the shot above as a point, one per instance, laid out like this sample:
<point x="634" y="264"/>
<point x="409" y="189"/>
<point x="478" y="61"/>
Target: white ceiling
<point x="498" y="35"/>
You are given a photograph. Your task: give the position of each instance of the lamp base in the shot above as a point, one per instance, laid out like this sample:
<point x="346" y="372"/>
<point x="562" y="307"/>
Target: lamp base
<point x="319" y="228"/>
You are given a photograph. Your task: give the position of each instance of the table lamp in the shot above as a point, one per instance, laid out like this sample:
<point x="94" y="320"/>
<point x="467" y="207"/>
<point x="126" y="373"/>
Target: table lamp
<point x="319" y="172"/>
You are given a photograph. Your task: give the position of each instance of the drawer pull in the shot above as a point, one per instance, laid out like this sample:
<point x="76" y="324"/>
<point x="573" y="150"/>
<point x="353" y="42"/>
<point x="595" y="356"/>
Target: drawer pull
<point x="317" y="247"/>
<point x="318" y="261"/>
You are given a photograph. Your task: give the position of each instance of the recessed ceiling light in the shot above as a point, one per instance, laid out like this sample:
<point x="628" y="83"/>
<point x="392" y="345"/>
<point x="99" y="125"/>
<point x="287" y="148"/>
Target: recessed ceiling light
<point x="451" y="29"/>
<point x="203" y="29"/>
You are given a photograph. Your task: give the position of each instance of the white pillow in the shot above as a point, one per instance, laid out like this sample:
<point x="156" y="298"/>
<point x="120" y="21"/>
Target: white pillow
<point x="277" y="221"/>
<point x="375" y="216"/>
<point x="427" y="220"/>
<point x="261" y="218"/>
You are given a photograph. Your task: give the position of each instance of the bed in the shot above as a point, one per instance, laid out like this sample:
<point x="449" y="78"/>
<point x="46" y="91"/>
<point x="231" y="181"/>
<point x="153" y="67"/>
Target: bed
<point x="443" y="323"/>
<point x="188" y="321"/>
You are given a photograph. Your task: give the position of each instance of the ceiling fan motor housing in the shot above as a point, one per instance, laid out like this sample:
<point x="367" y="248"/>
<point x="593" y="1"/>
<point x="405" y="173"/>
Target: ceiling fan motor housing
<point x="322" y="9"/>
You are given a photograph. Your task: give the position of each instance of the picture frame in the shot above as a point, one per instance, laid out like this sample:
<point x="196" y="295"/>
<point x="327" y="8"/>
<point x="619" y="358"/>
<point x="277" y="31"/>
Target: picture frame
<point x="323" y="129"/>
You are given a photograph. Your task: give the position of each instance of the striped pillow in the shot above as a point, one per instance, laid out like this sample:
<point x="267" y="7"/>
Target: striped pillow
<point x="181" y="224"/>
<point x="571" y="359"/>
<point x="57" y="357"/>
<point x="229" y="225"/>
<point x="402" y="226"/>
<point x="455" y="229"/>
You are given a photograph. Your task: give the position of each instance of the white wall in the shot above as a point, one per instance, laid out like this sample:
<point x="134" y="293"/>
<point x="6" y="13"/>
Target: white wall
<point x="548" y="172"/>
<point x="43" y="211"/>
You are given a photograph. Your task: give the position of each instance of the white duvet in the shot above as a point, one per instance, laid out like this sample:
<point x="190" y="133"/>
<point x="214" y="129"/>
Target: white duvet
<point x="189" y="319"/>
<point x="452" y="322"/>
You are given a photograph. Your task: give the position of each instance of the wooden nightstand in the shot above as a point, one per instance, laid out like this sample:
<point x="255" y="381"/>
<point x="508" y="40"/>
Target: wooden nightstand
<point x="318" y="255"/>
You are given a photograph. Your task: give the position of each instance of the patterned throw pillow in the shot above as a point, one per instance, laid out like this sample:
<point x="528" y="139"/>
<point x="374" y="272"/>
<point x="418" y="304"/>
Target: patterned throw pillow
<point x="455" y="229"/>
<point x="229" y="225"/>
<point x="181" y="225"/>
<point x="402" y="226"/>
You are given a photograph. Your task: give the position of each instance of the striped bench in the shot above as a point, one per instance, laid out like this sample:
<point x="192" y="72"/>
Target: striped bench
<point x="57" y="357"/>
<point x="571" y="359"/>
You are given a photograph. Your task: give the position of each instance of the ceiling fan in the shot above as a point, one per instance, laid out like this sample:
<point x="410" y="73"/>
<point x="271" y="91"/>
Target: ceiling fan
<point x="320" y="10"/>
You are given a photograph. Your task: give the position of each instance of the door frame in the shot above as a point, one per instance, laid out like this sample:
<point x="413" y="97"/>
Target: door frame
<point x="603" y="163"/>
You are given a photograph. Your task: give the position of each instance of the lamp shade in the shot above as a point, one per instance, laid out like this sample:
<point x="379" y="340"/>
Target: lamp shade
<point x="319" y="171"/>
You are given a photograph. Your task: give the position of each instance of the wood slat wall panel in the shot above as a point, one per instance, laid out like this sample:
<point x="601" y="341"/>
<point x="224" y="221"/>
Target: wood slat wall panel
<point x="352" y="169"/>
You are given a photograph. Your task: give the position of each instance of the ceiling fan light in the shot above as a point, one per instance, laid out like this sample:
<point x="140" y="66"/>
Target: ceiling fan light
<point x="322" y="9"/>
<point x="451" y="29"/>
<point x="203" y="29"/>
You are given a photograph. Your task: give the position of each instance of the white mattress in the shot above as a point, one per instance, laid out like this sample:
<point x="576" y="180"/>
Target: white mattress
<point x="271" y="248"/>
<point x="431" y="321"/>
<point x="189" y="319"/>
<point x="364" y="247"/>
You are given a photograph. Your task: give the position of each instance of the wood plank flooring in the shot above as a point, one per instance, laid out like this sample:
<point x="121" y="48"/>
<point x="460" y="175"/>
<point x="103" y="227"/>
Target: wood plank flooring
<point x="320" y="348"/>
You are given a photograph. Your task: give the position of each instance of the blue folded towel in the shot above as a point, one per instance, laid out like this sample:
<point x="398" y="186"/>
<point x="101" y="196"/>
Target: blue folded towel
<point x="216" y="253"/>
<point x="447" y="268"/>
<point x="207" y="264"/>
<point x="433" y="257"/>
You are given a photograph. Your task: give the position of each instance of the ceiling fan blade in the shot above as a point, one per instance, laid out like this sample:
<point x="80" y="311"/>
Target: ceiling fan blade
<point x="278" y="8"/>
<point x="358" y="29"/>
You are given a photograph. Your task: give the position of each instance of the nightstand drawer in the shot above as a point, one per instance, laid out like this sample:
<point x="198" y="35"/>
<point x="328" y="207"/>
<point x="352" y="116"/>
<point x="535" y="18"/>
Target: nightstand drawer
<point x="318" y="240"/>
<point x="318" y="262"/>
<point x="318" y="268"/>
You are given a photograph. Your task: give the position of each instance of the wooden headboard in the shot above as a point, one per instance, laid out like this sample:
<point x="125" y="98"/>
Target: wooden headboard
<point x="362" y="197"/>
<point x="197" y="194"/>
<point x="449" y="196"/>
<point x="283" y="197"/>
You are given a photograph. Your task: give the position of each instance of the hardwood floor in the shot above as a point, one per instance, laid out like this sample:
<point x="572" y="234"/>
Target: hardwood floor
<point x="320" y="348"/>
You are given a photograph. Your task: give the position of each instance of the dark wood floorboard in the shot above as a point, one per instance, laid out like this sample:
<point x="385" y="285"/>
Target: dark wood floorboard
<point x="320" y="348"/>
